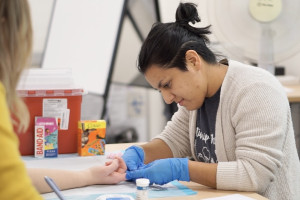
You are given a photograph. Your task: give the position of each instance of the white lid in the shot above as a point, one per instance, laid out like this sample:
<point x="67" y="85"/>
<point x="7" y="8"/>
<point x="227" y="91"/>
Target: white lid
<point x="45" y="79"/>
<point x="39" y="82"/>
<point x="142" y="182"/>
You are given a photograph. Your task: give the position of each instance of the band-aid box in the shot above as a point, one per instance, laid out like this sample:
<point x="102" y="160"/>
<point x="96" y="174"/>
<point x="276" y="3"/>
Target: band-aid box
<point x="91" y="137"/>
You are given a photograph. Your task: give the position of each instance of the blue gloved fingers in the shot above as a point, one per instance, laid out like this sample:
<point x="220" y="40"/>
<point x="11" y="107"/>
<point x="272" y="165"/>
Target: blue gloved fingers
<point x="144" y="171"/>
<point x="146" y="166"/>
<point x="162" y="171"/>
<point x="139" y="173"/>
<point x="131" y="165"/>
<point x="132" y="175"/>
<point x="134" y="157"/>
<point x="153" y="178"/>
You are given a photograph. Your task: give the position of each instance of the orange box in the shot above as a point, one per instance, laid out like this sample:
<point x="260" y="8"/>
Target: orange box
<point x="91" y="137"/>
<point x="67" y="139"/>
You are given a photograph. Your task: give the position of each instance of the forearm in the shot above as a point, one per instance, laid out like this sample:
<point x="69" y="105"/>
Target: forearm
<point x="63" y="178"/>
<point x="156" y="149"/>
<point x="203" y="173"/>
<point x="112" y="173"/>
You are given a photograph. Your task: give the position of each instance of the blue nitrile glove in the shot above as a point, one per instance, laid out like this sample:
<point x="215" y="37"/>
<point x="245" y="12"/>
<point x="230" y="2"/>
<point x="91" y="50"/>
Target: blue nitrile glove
<point x="133" y="157"/>
<point x="162" y="171"/>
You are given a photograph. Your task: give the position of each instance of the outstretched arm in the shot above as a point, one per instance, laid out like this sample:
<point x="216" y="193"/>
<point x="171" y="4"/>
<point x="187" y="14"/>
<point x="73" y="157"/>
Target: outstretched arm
<point x="112" y="173"/>
<point x="203" y="173"/>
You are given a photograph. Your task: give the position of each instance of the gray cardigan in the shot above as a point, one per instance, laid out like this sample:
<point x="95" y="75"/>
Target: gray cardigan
<point x="255" y="143"/>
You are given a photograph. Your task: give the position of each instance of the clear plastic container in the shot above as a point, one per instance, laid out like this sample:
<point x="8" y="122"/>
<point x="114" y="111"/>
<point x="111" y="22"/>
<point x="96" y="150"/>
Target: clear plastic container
<point x="142" y="186"/>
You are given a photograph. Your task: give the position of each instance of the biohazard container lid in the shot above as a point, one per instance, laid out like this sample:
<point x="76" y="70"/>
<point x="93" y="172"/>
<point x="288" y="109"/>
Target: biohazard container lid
<point x="40" y="82"/>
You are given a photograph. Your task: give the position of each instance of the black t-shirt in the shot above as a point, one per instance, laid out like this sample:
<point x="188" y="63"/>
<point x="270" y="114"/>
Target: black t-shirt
<point x="205" y="148"/>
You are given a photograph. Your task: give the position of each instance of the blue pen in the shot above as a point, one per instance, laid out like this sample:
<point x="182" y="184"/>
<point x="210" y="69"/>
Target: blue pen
<point x="54" y="187"/>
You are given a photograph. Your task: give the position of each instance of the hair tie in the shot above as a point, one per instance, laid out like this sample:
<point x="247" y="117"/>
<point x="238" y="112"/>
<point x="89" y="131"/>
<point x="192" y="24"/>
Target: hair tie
<point x="182" y="22"/>
<point x="186" y="21"/>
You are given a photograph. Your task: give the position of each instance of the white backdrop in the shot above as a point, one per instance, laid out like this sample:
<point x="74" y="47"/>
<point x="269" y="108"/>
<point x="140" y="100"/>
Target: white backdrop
<point x="82" y="37"/>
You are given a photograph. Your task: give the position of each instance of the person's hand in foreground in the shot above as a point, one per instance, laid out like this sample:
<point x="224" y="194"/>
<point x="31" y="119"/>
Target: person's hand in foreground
<point x="162" y="171"/>
<point x="134" y="157"/>
<point x="113" y="172"/>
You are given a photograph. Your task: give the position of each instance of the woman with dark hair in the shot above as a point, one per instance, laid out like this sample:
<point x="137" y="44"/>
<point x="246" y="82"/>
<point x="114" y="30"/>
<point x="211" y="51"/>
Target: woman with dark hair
<point x="233" y="128"/>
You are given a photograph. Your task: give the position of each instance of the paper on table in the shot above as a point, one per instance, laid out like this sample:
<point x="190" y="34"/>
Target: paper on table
<point x="231" y="197"/>
<point x="95" y="190"/>
<point x="129" y="188"/>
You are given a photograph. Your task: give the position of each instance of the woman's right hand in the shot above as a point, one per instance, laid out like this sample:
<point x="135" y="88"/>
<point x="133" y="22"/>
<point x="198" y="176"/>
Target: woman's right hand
<point x="134" y="157"/>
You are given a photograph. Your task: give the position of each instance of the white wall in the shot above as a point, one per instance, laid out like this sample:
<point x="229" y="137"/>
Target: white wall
<point x="125" y="70"/>
<point x="40" y="15"/>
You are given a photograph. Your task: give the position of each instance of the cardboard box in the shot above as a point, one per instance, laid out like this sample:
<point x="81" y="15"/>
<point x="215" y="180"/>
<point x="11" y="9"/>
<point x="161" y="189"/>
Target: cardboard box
<point x="42" y="90"/>
<point x="45" y="141"/>
<point x="91" y="137"/>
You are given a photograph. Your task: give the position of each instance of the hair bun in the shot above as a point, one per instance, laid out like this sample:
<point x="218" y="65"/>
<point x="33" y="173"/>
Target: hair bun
<point x="187" y="12"/>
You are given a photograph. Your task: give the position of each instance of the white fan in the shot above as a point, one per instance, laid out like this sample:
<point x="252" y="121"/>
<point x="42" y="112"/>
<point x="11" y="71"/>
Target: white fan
<point x="260" y="31"/>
